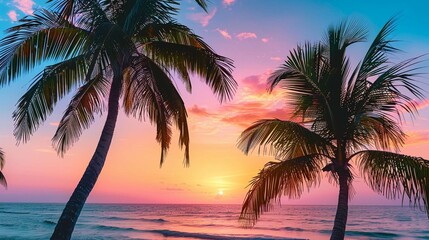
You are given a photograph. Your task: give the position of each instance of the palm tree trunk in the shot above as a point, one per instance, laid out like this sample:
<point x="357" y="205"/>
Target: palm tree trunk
<point x="71" y="212"/>
<point x="339" y="229"/>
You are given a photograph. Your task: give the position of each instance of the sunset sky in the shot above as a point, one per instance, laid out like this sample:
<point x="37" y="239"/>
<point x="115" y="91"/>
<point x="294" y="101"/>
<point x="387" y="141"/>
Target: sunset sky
<point x="257" y="35"/>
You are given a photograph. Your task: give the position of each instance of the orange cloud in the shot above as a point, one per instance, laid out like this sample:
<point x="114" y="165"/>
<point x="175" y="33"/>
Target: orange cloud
<point x="254" y="84"/>
<point x="417" y="137"/>
<point x="245" y="117"/>
<point x="252" y="103"/>
<point x="199" y="111"/>
<point x="246" y="35"/>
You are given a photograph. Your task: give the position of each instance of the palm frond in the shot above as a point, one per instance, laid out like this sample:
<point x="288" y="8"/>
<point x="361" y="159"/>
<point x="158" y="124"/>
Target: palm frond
<point x="283" y="139"/>
<point x="203" y="4"/>
<point x="3" y="181"/>
<point x="1" y="159"/>
<point x="337" y="40"/>
<point x="340" y="36"/>
<point x="150" y="91"/>
<point x="79" y="11"/>
<point x="289" y="178"/>
<point x="47" y="89"/>
<point x="375" y="58"/>
<point x="2" y="178"/>
<point x="213" y="68"/>
<point x="37" y="38"/>
<point x="173" y="32"/>
<point x="381" y="104"/>
<point x="390" y="88"/>
<point x="174" y="104"/>
<point x="150" y="11"/>
<point x="380" y="132"/>
<point x="80" y="113"/>
<point x="373" y="64"/>
<point x="395" y="175"/>
<point x="301" y="76"/>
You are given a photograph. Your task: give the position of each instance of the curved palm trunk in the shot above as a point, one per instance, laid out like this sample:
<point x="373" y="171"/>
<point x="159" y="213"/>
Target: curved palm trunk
<point x="68" y="219"/>
<point x="339" y="229"/>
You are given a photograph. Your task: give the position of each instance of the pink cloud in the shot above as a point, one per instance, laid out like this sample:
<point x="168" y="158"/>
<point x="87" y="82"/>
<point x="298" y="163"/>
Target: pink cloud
<point x="246" y="118"/>
<point x="277" y="59"/>
<point x="26" y="6"/>
<point x="246" y="35"/>
<point x="255" y="84"/>
<point x="253" y="102"/>
<point x="224" y="33"/>
<point x="12" y="15"/>
<point x="200" y="111"/>
<point x="265" y="40"/>
<point x="228" y="2"/>
<point x="422" y="104"/>
<point x="203" y="18"/>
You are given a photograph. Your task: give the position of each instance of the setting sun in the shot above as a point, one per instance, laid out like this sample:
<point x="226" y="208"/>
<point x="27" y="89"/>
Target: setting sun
<point x="220" y="192"/>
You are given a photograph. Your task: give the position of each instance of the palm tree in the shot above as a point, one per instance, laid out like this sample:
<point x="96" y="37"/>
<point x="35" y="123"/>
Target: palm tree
<point x="2" y="178"/>
<point x="107" y="49"/>
<point x="346" y="116"/>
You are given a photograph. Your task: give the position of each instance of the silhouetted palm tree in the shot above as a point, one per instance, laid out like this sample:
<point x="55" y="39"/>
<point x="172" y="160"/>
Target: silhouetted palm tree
<point x="346" y="115"/>
<point x="107" y="49"/>
<point x="2" y="178"/>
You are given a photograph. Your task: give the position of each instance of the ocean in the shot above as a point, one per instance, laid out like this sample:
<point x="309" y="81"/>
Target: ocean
<point x="27" y="221"/>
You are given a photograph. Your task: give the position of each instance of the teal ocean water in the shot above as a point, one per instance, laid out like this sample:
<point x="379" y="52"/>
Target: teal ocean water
<point x="28" y="221"/>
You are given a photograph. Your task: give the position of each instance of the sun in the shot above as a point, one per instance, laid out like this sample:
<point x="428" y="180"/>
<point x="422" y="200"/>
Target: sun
<point x="220" y="192"/>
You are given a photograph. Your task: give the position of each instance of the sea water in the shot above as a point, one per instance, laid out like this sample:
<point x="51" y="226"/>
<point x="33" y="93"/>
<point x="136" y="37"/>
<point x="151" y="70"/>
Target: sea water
<point x="27" y="221"/>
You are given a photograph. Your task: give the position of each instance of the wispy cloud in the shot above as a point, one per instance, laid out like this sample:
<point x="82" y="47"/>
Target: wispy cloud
<point x="224" y="33"/>
<point x="26" y="6"/>
<point x="417" y="137"/>
<point x="254" y="85"/>
<point x="200" y="111"/>
<point x="265" y="40"/>
<point x="202" y="17"/>
<point x="277" y="59"/>
<point x="13" y="15"/>
<point x="56" y="124"/>
<point x="45" y="150"/>
<point x="246" y="35"/>
<point x="422" y="104"/>
<point x="228" y="2"/>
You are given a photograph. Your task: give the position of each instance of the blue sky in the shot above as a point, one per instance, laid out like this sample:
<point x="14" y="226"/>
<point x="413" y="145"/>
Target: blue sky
<point x="257" y="35"/>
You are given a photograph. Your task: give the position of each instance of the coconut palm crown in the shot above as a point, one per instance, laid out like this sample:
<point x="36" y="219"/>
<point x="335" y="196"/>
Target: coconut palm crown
<point x="348" y="117"/>
<point x="109" y="54"/>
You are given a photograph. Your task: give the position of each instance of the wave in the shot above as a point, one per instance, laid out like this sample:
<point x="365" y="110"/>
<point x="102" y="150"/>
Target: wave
<point x="177" y="234"/>
<point x="373" y="234"/>
<point x="12" y="212"/>
<point x="294" y="229"/>
<point x="159" y="220"/>
<point x="49" y="222"/>
<point x="113" y="228"/>
<point x="7" y="225"/>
